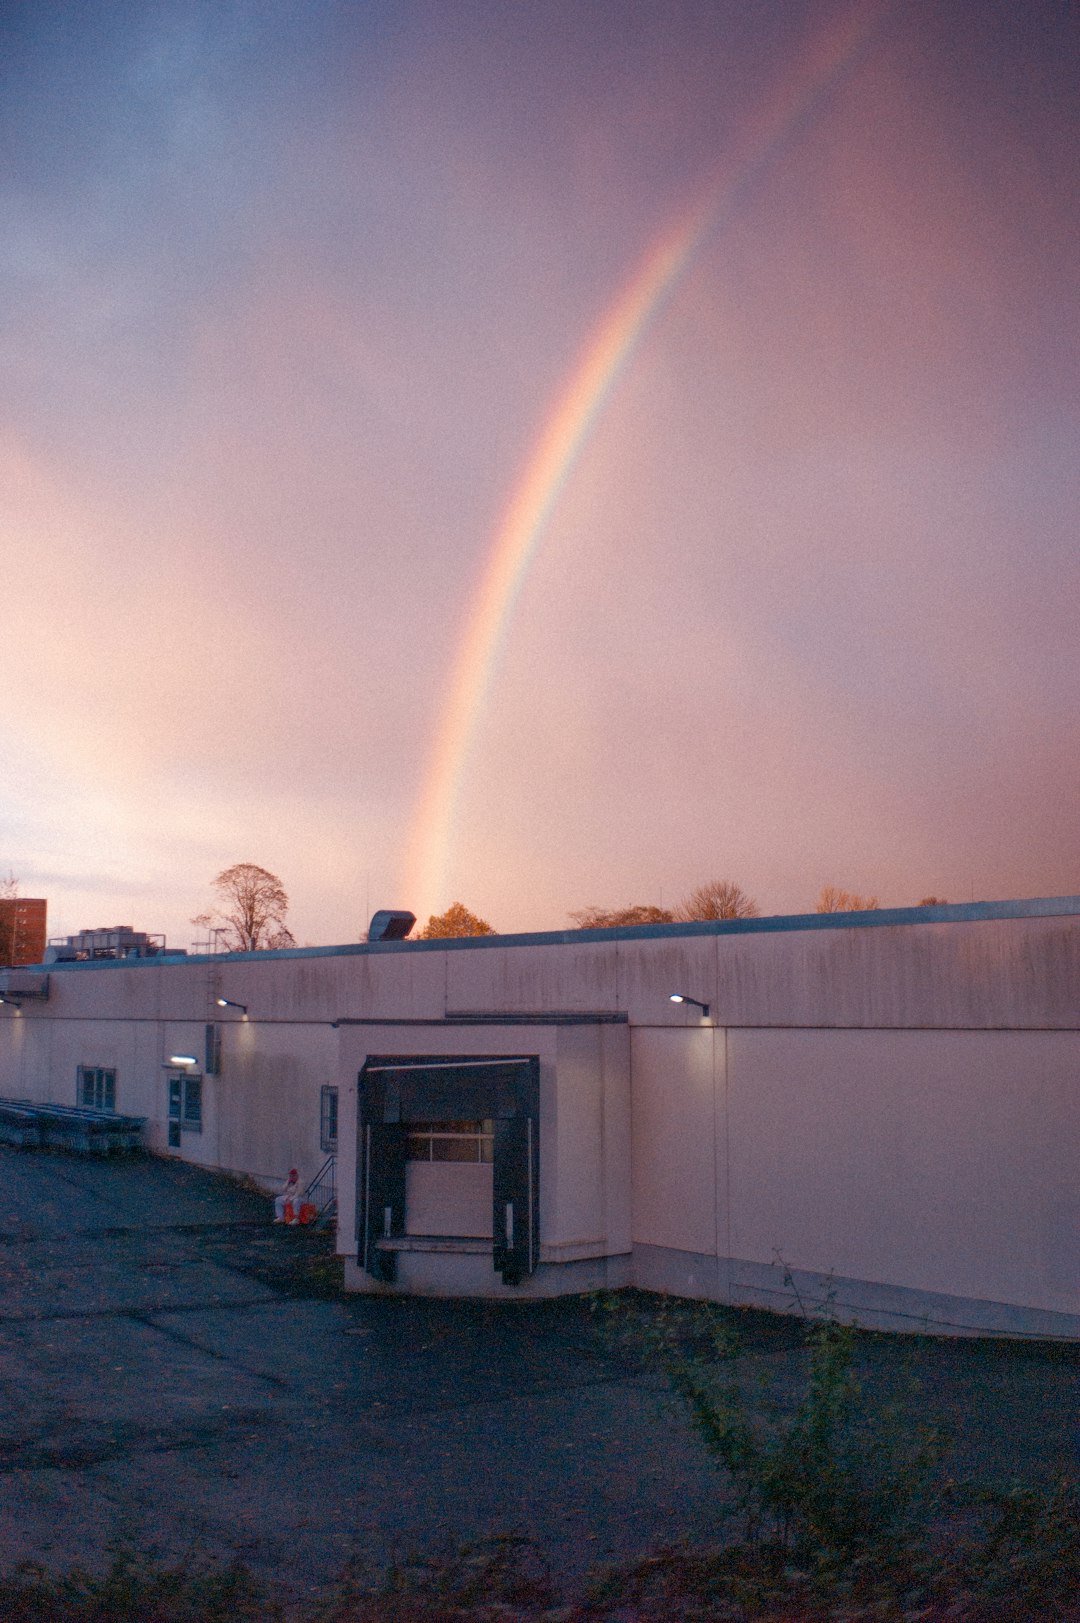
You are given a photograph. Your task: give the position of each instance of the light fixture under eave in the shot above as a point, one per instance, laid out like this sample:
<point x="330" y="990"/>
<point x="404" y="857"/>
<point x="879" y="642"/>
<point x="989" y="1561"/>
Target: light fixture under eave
<point x="682" y="997"/>
<point x="11" y="1002"/>
<point x="182" y="1059"/>
<point x="230" y="1003"/>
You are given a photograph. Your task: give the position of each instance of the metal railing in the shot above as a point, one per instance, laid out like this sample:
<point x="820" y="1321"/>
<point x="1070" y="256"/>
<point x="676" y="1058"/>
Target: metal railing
<point x="322" y="1191"/>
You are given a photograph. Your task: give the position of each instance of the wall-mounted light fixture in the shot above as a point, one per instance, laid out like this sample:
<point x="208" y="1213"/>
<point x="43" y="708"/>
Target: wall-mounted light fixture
<point x="11" y="1002"/>
<point x="681" y="997"/>
<point x="182" y="1059"/>
<point x="230" y="1003"/>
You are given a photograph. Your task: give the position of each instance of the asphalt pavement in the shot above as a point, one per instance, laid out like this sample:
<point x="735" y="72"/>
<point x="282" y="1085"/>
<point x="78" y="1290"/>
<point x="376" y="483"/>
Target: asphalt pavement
<point x="179" y="1373"/>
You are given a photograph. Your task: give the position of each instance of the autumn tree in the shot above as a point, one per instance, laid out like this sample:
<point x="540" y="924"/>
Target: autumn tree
<point x="599" y="918"/>
<point x="834" y="900"/>
<point x="719" y="899"/>
<point x="250" y="910"/>
<point x="456" y="921"/>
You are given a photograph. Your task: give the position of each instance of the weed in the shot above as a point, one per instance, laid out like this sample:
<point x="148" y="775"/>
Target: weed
<point x="498" y="1576"/>
<point x="135" y="1588"/>
<point x="819" y="1473"/>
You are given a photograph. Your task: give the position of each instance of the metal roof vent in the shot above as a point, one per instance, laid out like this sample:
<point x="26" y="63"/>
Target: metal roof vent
<point x="390" y="924"/>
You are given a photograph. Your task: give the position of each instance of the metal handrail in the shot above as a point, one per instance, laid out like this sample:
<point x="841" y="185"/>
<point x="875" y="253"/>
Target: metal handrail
<point x="322" y="1190"/>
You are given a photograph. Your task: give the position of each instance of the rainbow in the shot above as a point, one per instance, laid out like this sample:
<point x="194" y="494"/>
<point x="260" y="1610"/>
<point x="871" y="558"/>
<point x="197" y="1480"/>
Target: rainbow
<point x="550" y="464"/>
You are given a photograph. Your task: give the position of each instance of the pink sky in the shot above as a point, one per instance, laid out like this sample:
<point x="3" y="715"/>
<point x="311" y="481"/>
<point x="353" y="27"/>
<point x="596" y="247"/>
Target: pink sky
<point x="290" y="294"/>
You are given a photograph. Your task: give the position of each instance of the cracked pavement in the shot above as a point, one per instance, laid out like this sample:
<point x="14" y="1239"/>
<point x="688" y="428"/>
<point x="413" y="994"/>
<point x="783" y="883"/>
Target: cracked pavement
<point x="177" y="1371"/>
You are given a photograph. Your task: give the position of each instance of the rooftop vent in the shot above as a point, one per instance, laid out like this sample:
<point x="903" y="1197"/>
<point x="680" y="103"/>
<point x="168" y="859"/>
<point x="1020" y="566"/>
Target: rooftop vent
<point x="390" y="924"/>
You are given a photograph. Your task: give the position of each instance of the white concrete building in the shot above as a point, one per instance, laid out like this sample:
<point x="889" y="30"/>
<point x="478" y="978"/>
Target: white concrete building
<point x="884" y="1106"/>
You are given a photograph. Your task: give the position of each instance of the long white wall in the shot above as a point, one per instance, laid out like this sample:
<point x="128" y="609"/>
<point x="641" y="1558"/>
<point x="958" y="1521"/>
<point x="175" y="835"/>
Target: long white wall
<point x="920" y="1177"/>
<point x="888" y="1112"/>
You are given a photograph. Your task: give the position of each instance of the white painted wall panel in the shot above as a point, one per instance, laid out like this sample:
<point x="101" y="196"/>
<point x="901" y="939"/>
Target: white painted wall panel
<point x="568" y="977"/>
<point x="617" y="1154"/>
<point x="678" y="1172"/>
<point x="272" y="1075"/>
<point x="942" y="1161"/>
<point x="579" y="1215"/>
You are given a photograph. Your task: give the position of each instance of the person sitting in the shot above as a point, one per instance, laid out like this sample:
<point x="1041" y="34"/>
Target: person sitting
<point x="287" y="1203"/>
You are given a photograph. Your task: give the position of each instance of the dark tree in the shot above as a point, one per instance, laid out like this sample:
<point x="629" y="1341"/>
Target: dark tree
<point x="599" y="918"/>
<point x="250" y="911"/>
<point x="719" y="899"/>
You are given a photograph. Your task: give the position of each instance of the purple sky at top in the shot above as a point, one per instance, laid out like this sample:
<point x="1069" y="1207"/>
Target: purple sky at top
<point x="286" y="293"/>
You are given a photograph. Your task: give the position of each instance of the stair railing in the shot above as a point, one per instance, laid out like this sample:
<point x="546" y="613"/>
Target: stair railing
<point x="322" y="1190"/>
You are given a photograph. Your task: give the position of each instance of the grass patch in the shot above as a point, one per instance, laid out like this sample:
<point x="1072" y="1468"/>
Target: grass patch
<point x="135" y="1588"/>
<point x="1016" y="1559"/>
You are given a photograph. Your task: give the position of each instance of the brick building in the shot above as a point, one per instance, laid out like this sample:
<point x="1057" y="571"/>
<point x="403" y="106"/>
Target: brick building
<point x="22" y="930"/>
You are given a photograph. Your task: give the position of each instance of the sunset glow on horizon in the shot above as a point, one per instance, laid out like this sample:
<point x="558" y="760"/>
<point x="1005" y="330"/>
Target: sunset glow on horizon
<point x="538" y="457"/>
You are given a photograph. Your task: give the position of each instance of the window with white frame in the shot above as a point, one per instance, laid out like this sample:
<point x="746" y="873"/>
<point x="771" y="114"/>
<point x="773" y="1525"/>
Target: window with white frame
<point x="97" y="1087"/>
<point x="450" y="1141"/>
<point x="328" y="1103"/>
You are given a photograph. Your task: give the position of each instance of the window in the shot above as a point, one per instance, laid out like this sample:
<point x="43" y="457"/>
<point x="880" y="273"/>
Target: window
<point x="192" y="1116"/>
<point x="450" y="1141"/>
<point x="97" y="1088"/>
<point x="213" y="1050"/>
<point x="328" y="1118"/>
<point x="185" y="1105"/>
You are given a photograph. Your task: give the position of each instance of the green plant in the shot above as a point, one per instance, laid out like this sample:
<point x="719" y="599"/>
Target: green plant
<point x="498" y="1576"/>
<point x="819" y="1471"/>
<point x="135" y="1588"/>
<point x="1023" y="1555"/>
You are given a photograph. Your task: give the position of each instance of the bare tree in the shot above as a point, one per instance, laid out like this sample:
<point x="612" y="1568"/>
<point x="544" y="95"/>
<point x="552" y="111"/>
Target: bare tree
<point x="9" y="919"/>
<point x="599" y="918"/>
<point x="932" y="901"/>
<point x="250" y="911"/>
<point x="456" y="921"/>
<point x="833" y="900"/>
<point x="719" y="899"/>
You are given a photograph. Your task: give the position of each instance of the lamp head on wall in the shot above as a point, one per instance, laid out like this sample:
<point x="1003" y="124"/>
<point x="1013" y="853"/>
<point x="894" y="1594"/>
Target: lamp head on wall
<point x="681" y="997"/>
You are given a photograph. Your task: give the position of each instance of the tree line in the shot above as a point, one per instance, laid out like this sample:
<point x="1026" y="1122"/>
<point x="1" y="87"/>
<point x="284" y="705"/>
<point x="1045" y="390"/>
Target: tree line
<point x="716" y="899"/>
<point x="248" y="912"/>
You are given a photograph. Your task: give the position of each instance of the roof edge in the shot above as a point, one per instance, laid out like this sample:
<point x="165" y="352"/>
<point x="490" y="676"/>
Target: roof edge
<point x="874" y="918"/>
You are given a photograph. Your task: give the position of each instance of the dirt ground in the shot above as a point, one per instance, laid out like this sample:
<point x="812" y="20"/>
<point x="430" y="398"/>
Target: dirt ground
<point x="178" y="1372"/>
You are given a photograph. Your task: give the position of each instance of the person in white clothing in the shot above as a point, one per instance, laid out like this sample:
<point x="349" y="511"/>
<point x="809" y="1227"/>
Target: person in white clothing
<point x="289" y="1196"/>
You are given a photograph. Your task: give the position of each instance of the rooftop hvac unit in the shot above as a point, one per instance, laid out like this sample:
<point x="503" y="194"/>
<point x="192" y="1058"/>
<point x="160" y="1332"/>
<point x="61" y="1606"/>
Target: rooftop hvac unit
<point x="390" y="924"/>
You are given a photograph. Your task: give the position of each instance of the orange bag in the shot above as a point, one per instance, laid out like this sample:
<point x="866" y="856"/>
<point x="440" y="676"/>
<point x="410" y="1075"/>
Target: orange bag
<point x="288" y="1213"/>
<point x="307" y="1212"/>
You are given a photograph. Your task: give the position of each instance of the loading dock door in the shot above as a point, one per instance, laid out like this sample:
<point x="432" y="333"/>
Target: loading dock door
<point x="396" y="1093"/>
